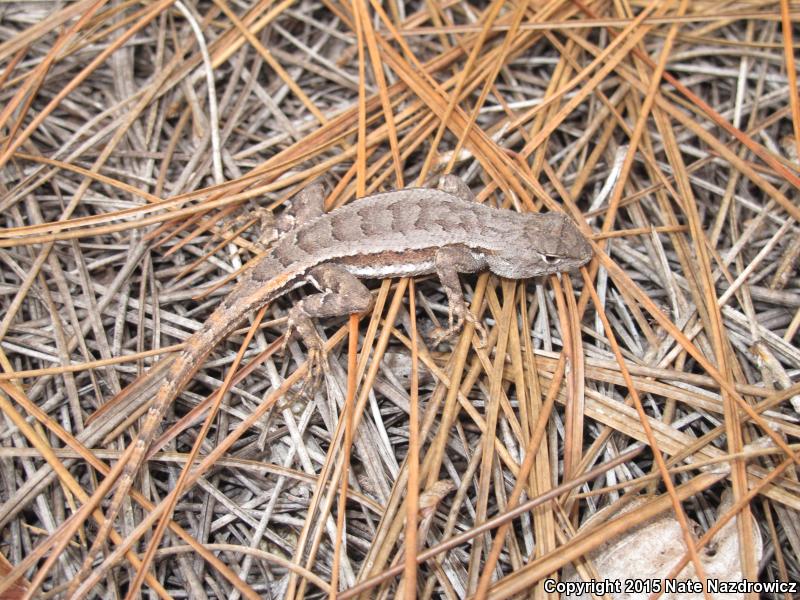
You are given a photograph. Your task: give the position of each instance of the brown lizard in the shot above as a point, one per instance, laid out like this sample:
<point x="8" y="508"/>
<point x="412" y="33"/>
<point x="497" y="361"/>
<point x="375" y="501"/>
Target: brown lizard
<point x="401" y="233"/>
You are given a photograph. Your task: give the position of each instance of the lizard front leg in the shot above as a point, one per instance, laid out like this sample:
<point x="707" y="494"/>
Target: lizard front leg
<point x="455" y="186"/>
<point x="341" y="293"/>
<point x="449" y="262"/>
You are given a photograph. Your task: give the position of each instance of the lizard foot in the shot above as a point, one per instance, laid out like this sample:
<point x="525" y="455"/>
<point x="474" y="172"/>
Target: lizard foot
<point x="483" y="337"/>
<point x="265" y="222"/>
<point x="317" y="368"/>
<point x="440" y="334"/>
<point x="307" y="387"/>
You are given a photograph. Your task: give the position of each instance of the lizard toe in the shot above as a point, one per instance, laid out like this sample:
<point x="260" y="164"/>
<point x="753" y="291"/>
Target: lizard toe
<point x="479" y="329"/>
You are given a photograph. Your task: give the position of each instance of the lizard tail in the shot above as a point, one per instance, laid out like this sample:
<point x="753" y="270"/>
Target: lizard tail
<point x="221" y="322"/>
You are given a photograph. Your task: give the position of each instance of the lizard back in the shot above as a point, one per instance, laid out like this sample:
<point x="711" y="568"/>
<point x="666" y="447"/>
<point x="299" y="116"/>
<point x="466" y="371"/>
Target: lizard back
<point x="407" y="220"/>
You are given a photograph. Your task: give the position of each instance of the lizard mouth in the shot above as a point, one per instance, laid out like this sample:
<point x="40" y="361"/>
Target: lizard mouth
<point x="586" y="253"/>
<point x="582" y="252"/>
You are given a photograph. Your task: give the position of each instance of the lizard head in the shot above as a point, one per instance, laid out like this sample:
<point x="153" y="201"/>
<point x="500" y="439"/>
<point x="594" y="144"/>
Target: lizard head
<point x="543" y="244"/>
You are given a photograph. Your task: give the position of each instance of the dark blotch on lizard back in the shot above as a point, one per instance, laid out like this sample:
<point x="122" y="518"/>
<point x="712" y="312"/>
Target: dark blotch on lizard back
<point x="422" y="221"/>
<point x="305" y="241"/>
<point x="318" y="233"/>
<point x="469" y="220"/>
<point x="308" y="241"/>
<point x="374" y="220"/>
<point x="265" y="269"/>
<point x="451" y="221"/>
<point x="288" y="252"/>
<point x="344" y="228"/>
<point x="405" y="216"/>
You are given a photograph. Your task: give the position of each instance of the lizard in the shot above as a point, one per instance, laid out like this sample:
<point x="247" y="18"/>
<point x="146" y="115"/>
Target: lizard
<point x="401" y="233"/>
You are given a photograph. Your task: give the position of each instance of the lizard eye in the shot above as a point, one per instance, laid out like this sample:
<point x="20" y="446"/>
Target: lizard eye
<point x="550" y="258"/>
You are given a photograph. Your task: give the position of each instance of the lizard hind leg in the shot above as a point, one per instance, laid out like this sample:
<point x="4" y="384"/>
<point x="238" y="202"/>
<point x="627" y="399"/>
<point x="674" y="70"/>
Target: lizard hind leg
<point x="341" y="293"/>
<point x="306" y="205"/>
